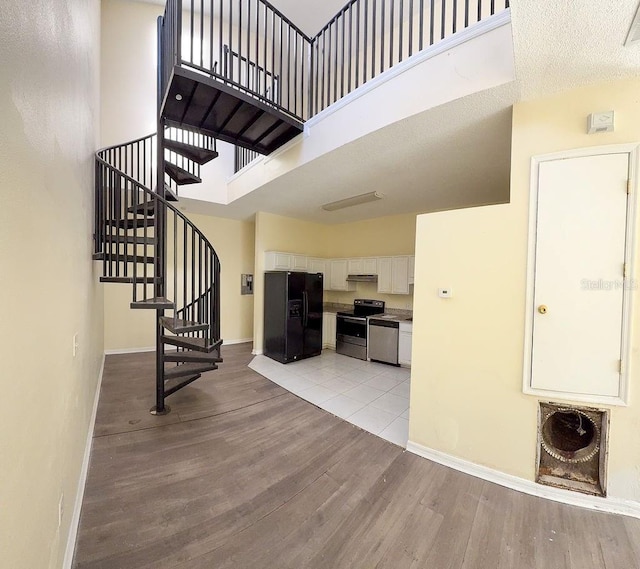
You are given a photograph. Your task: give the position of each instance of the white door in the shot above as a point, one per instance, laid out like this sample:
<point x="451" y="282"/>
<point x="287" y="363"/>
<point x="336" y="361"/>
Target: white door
<point x="578" y="297"/>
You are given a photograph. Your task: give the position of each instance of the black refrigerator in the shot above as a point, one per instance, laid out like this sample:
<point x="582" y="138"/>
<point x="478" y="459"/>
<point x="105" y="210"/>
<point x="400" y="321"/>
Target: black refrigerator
<point x="292" y="315"/>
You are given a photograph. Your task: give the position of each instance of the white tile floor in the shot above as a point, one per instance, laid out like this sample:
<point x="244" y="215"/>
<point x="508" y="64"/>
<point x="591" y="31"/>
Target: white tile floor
<point x="370" y="395"/>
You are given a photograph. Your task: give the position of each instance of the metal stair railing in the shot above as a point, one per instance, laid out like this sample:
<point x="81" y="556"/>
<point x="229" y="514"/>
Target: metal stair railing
<point x="251" y="46"/>
<point x="187" y="272"/>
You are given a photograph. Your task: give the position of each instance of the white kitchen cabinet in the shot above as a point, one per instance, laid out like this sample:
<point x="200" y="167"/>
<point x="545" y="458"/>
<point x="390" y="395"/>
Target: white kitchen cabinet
<point x="276" y="261"/>
<point x="329" y="330"/>
<point x="370" y="266"/>
<point x="362" y="266"/>
<point x="404" y="343"/>
<point x="400" y="275"/>
<point x="299" y="263"/>
<point x="384" y="274"/>
<point x="316" y="265"/>
<point x="412" y="269"/>
<point x="354" y="267"/>
<point x="338" y="277"/>
<point x="393" y="275"/>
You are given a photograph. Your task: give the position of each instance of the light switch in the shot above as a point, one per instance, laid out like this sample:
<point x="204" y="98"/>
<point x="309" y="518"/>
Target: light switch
<point x="445" y="293"/>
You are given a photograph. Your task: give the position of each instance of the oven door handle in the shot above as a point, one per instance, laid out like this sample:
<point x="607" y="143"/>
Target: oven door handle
<point x="353" y="320"/>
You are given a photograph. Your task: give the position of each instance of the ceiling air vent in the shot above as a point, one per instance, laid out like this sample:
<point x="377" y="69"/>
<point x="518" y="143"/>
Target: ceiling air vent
<point x="633" y="36"/>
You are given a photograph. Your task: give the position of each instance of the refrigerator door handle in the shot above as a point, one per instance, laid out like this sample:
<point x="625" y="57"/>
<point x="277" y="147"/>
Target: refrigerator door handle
<point x="305" y="309"/>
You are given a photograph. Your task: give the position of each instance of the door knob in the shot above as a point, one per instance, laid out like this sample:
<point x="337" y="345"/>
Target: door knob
<point x="542" y="309"/>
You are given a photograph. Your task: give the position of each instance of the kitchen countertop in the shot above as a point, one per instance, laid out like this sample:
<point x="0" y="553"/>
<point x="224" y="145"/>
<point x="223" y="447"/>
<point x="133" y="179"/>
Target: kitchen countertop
<point x="394" y="317"/>
<point x="336" y="307"/>
<point x="396" y="313"/>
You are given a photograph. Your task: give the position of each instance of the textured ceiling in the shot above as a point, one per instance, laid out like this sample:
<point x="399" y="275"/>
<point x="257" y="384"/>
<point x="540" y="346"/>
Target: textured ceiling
<point x="458" y="154"/>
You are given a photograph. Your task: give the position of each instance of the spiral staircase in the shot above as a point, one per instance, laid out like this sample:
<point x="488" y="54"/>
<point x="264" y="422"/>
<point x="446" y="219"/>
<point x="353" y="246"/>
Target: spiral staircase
<point x="237" y="71"/>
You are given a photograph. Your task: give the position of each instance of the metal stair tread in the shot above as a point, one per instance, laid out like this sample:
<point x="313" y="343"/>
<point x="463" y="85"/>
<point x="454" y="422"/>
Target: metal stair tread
<point x="114" y="258"/>
<point x="179" y="175"/>
<point x="144" y="208"/>
<point x="180" y="326"/>
<point x="136" y="223"/>
<point x="169" y="194"/>
<point x="192" y="356"/>
<point x="196" y="154"/>
<point x="129" y="280"/>
<point x="198" y="344"/>
<point x="127" y="239"/>
<point x="188" y="369"/>
<point x="158" y="303"/>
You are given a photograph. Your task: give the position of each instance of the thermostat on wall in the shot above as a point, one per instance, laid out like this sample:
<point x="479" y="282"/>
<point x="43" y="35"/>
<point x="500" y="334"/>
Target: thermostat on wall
<point x="445" y="293"/>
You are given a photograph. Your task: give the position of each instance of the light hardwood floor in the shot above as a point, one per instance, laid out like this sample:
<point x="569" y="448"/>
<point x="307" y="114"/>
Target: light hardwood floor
<point x="243" y="474"/>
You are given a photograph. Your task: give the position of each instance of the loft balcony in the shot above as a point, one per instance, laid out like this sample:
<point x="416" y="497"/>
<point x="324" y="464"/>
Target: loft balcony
<point x="241" y="71"/>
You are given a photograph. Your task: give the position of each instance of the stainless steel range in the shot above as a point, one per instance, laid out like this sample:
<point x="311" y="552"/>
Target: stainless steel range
<point x="351" y="327"/>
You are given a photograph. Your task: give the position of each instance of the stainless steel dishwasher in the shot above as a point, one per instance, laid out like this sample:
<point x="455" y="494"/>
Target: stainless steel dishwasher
<point x="383" y="340"/>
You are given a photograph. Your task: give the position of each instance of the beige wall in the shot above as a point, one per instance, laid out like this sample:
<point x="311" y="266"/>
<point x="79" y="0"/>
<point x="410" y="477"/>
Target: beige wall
<point x="128" y="70"/>
<point x="48" y="283"/>
<point x="128" y="111"/>
<point x="233" y="240"/>
<point x="466" y="395"/>
<point x="128" y="76"/>
<point x="393" y="235"/>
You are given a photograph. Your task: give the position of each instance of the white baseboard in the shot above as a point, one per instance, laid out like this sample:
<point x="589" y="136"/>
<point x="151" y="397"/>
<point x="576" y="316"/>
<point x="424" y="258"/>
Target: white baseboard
<point x="610" y="505"/>
<point x="118" y="351"/>
<point x="77" y="507"/>
<point x="233" y="342"/>
<point x="257" y="352"/>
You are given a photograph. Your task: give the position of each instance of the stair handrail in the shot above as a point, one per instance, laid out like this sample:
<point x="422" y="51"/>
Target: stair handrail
<point x="121" y="180"/>
<point x="243" y="58"/>
<point x="361" y="41"/>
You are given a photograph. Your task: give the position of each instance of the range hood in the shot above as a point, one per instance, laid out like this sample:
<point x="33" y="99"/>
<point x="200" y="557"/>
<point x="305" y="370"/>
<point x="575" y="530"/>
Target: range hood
<point x="362" y="278"/>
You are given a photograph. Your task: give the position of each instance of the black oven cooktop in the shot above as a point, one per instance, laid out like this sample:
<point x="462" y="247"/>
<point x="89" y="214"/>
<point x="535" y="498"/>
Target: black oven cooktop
<point x="363" y="307"/>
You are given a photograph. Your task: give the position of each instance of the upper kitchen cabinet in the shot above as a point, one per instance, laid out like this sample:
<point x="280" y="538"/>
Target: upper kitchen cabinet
<point x="384" y="274"/>
<point x="315" y="265"/>
<point x="299" y="263"/>
<point x="362" y="266"/>
<point x="393" y="275"/>
<point x="277" y="261"/>
<point x="412" y="269"/>
<point x="274" y="261"/>
<point x="339" y="269"/>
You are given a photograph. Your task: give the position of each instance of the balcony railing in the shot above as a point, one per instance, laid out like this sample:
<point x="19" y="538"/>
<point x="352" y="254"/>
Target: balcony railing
<point x="246" y="44"/>
<point x="250" y="46"/>
<point x="367" y="37"/>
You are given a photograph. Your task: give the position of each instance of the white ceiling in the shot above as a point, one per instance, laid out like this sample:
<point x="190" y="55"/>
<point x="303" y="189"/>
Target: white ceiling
<point x="559" y="45"/>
